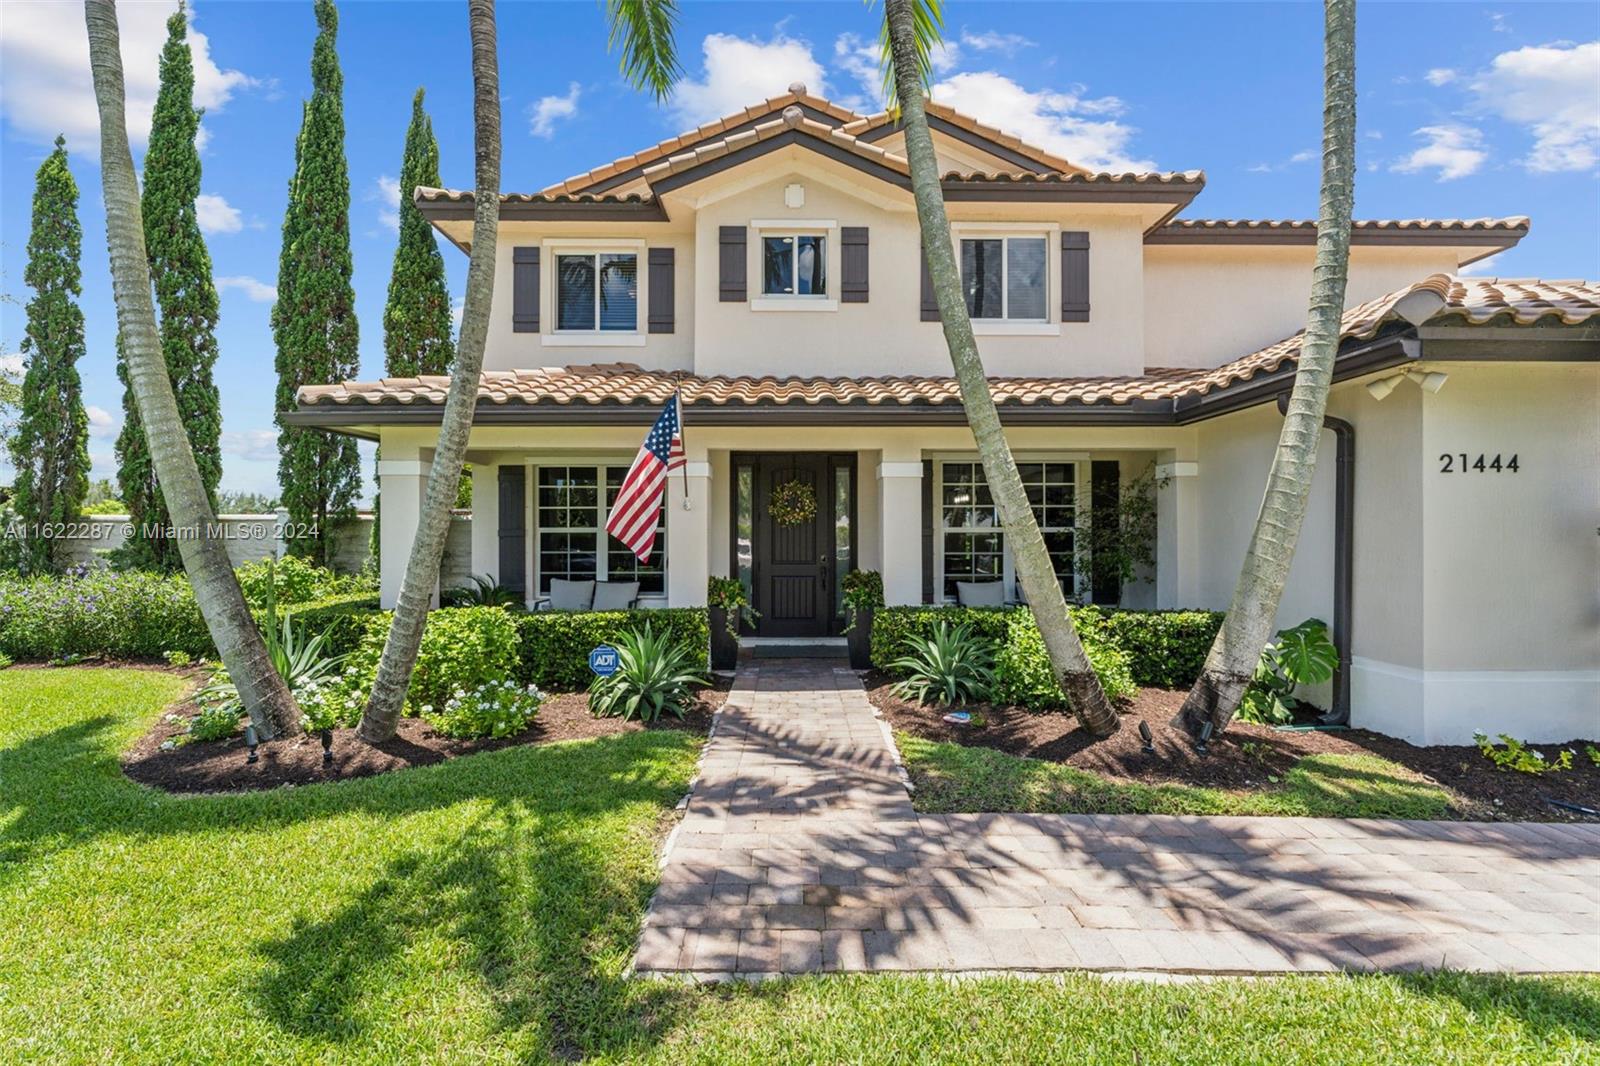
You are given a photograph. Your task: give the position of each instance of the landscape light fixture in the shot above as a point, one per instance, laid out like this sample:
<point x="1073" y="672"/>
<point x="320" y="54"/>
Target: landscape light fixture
<point x="327" y="747"/>
<point x="1205" y="738"/>
<point x="1144" y="735"/>
<point x="1429" y="381"/>
<point x="251" y="741"/>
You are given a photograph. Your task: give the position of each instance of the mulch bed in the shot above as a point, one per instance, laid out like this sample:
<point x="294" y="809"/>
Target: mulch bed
<point x="219" y="766"/>
<point x="1245" y="755"/>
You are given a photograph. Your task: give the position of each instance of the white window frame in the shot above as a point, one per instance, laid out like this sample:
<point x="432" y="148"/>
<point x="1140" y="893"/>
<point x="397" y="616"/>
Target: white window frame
<point x="593" y="338"/>
<point x="602" y="559"/>
<point x="1082" y="588"/>
<point x="828" y="230"/>
<point x="1049" y="325"/>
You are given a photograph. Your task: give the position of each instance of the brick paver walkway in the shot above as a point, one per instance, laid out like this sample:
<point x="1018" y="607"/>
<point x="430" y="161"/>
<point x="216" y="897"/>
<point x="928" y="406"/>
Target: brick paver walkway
<point x="800" y="851"/>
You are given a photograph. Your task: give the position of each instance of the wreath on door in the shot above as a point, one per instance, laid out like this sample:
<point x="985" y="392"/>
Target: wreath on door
<point x="794" y="503"/>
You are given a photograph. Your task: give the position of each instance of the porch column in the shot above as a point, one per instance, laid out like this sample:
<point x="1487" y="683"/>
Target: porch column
<point x="689" y="535"/>
<point x="900" y="527"/>
<point x="486" y="519"/>
<point x="1177" y="531"/>
<point x="402" y="482"/>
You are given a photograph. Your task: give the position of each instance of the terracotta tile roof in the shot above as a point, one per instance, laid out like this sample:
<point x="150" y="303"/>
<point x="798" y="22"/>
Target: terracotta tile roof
<point x="1079" y="177"/>
<point x="1473" y="301"/>
<point x="1045" y="159"/>
<point x="1515" y="222"/>
<point x="427" y="195"/>
<point x="791" y="119"/>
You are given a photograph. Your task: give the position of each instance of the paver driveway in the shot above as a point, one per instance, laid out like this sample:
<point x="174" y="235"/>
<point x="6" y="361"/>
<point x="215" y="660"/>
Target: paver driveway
<point x="800" y="851"/>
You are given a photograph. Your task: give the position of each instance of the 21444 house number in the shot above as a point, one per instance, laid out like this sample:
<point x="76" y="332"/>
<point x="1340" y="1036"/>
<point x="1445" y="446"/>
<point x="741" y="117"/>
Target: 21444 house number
<point x="1457" y="463"/>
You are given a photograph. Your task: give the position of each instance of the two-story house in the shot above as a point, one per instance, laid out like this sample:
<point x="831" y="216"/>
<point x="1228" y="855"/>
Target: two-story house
<point x="769" y="266"/>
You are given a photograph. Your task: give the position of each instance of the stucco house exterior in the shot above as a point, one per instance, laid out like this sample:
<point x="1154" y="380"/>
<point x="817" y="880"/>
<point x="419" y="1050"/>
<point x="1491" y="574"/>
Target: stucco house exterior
<point x="768" y="265"/>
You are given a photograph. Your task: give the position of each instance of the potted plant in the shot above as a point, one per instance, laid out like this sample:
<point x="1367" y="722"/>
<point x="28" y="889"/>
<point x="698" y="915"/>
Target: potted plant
<point x="863" y="595"/>
<point x="727" y="604"/>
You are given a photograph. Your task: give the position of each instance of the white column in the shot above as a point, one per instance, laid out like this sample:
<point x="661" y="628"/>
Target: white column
<point x="486" y="519"/>
<point x="900" y="528"/>
<point x="402" y="482"/>
<point x="1177" y="532"/>
<point x="689" y="535"/>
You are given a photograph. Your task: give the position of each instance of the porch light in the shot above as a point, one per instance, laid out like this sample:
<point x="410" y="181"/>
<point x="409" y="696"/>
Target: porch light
<point x="1381" y="388"/>
<point x="250" y="742"/>
<point x="1430" y="381"/>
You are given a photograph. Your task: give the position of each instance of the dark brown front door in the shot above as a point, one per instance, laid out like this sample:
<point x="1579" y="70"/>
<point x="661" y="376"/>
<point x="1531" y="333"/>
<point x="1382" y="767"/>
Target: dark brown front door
<point x="794" y="564"/>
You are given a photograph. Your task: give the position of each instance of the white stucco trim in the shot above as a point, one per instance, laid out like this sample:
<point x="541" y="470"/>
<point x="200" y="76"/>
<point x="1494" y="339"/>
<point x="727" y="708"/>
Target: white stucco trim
<point x="403" y="468"/>
<point x="1447" y="706"/>
<point x="794" y="303"/>
<point x="899" y="470"/>
<point x="985" y="327"/>
<point x="592" y="340"/>
<point x="1178" y="469"/>
<point x="696" y="469"/>
<point x="795" y="223"/>
<point x="602" y="243"/>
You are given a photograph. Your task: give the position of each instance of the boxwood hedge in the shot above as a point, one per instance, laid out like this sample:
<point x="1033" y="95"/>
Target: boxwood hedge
<point x="555" y="645"/>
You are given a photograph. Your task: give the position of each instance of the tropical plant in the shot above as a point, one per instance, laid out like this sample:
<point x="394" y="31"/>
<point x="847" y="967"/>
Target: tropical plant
<point x="862" y="591"/>
<point x="314" y="319"/>
<point x="50" y="448"/>
<point x="243" y="651"/>
<point x="644" y="32"/>
<point x="1231" y="664"/>
<point x="483" y="591"/>
<point x="1519" y="757"/>
<point x="953" y="665"/>
<point x="293" y="580"/>
<point x="910" y="32"/>
<point x="655" y="674"/>
<point x="187" y="300"/>
<point x="1301" y="655"/>
<point x="727" y="594"/>
<point x="1119" y="544"/>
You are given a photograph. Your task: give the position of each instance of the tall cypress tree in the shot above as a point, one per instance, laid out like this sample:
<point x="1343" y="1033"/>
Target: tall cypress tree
<point x="314" y="320"/>
<point x="50" y="450"/>
<point x="187" y="298"/>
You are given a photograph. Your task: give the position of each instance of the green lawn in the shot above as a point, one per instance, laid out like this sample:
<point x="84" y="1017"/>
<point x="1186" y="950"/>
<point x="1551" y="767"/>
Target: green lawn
<point x="484" y="910"/>
<point x="954" y="777"/>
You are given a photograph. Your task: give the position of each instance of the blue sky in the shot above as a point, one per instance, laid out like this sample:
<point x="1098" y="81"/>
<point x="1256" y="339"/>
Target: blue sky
<point x="1465" y="110"/>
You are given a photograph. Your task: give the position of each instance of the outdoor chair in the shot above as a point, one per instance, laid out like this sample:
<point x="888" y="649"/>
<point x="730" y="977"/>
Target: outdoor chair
<point x="981" y="593"/>
<point x="567" y="595"/>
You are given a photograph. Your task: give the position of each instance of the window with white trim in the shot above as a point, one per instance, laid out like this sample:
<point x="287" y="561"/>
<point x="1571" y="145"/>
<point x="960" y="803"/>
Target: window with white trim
<point x="597" y="292"/>
<point x="794" y="264"/>
<point x="1004" y="278"/>
<point x="971" y="538"/>
<point x="570" y="514"/>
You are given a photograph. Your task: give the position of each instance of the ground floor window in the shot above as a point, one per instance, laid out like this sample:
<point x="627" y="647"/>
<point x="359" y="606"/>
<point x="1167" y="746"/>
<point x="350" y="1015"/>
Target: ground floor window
<point x="570" y="513"/>
<point x="971" y="538"/>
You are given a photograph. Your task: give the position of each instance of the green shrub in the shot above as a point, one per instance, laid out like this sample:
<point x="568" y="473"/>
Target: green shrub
<point x="1519" y="757"/>
<point x="119" y="614"/>
<point x="215" y="721"/>
<point x="341" y="620"/>
<point x="462" y="648"/>
<point x="494" y="709"/>
<point x="951" y="666"/>
<point x="555" y="645"/>
<point x="1024" y="676"/>
<point x="893" y="626"/>
<point x="1166" y="649"/>
<point x="5" y="661"/>
<point x="656" y="673"/>
<point x="297" y="581"/>
<point x="1301" y="655"/>
<point x="329" y="703"/>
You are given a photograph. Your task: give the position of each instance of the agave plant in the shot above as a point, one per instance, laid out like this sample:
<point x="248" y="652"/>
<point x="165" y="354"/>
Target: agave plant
<point x="951" y="666"/>
<point x="654" y="674"/>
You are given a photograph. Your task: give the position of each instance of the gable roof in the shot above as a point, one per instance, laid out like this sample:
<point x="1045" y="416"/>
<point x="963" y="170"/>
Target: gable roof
<point x="1489" y="234"/>
<point x="950" y="121"/>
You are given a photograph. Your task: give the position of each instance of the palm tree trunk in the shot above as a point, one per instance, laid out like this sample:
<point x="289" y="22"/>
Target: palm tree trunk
<point x="270" y="704"/>
<point x="382" y="714"/>
<point x="1251" y="615"/>
<point x="1034" y="570"/>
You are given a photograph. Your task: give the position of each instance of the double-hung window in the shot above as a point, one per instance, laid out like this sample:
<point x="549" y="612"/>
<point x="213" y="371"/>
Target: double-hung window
<point x="794" y="264"/>
<point x="1004" y="277"/>
<point x="570" y="513"/>
<point x="597" y="292"/>
<point x="972" y="543"/>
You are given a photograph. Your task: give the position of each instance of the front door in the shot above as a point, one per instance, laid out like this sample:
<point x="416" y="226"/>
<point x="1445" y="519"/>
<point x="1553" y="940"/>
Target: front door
<point x="795" y="559"/>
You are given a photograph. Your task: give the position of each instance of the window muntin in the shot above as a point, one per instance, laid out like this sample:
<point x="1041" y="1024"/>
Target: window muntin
<point x="972" y="541"/>
<point x="570" y="513"/>
<point x="794" y="265"/>
<point x="1003" y="278"/>
<point x="597" y="292"/>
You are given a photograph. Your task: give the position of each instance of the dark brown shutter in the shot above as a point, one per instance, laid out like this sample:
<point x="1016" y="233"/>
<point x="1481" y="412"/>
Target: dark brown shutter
<point x="514" y="527"/>
<point x="853" y="263"/>
<point x="1074" y="277"/>
<point x="731" y="263"/>
<point x="927" y="532"/>
<point x="930" y="302"/>
<point x="525" y="290"/>
<point x="663" y="289"/>
<point x="1105" y="496"/>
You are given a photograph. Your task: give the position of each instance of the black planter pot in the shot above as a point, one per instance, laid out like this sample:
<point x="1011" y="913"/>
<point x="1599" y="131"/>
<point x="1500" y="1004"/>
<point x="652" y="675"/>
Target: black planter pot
<point x="859" y="639"/>
<point x="724" y="645"/>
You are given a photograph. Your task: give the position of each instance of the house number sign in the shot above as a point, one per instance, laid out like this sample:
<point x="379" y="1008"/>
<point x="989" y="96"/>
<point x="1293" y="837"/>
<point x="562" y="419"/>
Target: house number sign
<point x="1464" y="463"/>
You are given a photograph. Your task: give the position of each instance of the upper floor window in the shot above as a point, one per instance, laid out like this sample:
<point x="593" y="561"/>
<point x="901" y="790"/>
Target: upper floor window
<point x="794" y="265"/>
<point x="1004" y="277"/>
<point x="597" y="291"/>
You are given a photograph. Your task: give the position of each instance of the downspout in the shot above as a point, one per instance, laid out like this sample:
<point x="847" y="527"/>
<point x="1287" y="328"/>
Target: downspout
<point x="1344" y="498"/>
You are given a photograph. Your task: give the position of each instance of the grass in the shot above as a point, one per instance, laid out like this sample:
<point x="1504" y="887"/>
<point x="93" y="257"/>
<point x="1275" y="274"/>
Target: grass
<point x="953" y="777"/>
<point x="484" y="911"/>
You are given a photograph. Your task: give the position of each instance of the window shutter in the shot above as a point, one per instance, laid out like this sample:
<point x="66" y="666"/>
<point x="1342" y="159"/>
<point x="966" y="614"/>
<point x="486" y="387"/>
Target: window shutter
<point x="927" y="532"/>
<point x="731" y="263"/>
<point x="1074" y="277"/>
<point x="853" y="262"/>
<point x="514" y="527"/>
<point x="1105" y="495"/>
<point x="930" y="303"/>
<point x="525" y="290"/>
<point x="663" y="289"/>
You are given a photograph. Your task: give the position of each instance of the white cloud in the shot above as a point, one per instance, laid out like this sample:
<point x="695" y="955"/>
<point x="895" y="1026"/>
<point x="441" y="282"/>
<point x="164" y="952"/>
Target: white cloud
<point x="1007" y="44"/>
<point x="1081" y="129"/>
<point x="1484" y="267"/>
<point x="102" y="423"/>
<point x="1440" y="76"/>
<point x="543" y="116"/>
<point x="13" y="365"/>
<point x="458" y="307"/>
<point x="862" y="60"/>
<point x="45" y="87"/>
<point x="386" y="190"/>
<point x="257" y="445"/>
<point x="216" y="215"/>
<point x="258" y="291"/>
<point x="1552" y="90"/>
<point x="740" y="72"/>
<point x="1452" y="149"/>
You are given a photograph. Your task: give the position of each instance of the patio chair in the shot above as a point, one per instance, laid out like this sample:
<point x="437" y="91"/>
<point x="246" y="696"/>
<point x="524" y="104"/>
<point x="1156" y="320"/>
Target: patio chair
<point x="615" y="595"/>
<point x="566" y="595"/>
<point x="981" y="593"/>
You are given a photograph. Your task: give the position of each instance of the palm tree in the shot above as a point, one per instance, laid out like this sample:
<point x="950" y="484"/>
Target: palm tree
<point x="911" y="28"/>
<point x="644" y="29"/>
<point x="265" y="695"/>
<point x="1251" y="615"/>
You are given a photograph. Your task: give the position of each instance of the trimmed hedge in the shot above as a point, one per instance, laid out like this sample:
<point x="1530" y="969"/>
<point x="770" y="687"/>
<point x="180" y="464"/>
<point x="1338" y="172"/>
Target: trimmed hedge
<point x="1167" y="649"/>
<point x="555" y="645"/>
<point x="344" y="619"/>
<point x="462" y="648"/>
<point x="123" y="615"/>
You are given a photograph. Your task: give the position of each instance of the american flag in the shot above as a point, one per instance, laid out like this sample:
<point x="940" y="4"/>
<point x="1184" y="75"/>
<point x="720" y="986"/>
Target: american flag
<point x="633" y="516"/>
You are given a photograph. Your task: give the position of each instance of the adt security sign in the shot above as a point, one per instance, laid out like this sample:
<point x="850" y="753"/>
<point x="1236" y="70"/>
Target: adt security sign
<point x="603" y="660"/>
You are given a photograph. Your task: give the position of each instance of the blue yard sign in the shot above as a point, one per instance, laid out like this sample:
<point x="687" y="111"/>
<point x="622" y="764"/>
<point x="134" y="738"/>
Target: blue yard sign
<point x="603" y="660"/>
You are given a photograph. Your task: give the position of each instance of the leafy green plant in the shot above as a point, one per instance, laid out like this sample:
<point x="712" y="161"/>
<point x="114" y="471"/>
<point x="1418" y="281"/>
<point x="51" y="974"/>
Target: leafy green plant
<point x="863" y="591"/>
<point x="728" y="595"/>
<point x="177" y="658"/>
<point x="1301" y="655"/>
<point x="655" y="674"/>
<point x="5" y="660"/>
<point x="291" y="580"/>
<point x="483" y="591"/>
<point x="1519" y="757"/>
<point x="462" y="648"/>
<point x="495" y="709"/>
<point x="952" y="666"/>
<point x="1593" y="753"/>
<point x="555" y="645"/>
<point x="118" y="614"/>
<point x="1119" y="545"/>
<point x="1025" y="677"/>
<point x="215" y="721"/>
